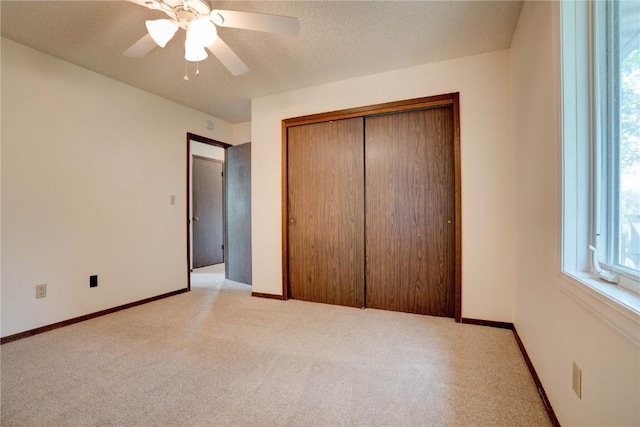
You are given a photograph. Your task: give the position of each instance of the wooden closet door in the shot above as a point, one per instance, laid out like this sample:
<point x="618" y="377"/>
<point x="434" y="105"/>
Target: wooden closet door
<point x="326" y="212"/>
<point x="410" y="232"/>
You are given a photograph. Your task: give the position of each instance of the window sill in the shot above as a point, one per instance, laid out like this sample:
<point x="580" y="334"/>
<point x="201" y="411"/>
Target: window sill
<point x="616" y="306"/>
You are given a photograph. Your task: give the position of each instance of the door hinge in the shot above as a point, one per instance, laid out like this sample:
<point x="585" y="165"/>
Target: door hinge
<point x="221" y="173"/>
<point x="223" y="247"/>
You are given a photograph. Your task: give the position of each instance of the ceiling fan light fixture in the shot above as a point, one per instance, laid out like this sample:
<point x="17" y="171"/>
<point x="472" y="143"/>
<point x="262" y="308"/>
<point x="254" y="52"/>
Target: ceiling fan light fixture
<point x="161" y="30"/>
<point x="193" y="51"/>
<point x="202" y="31"/>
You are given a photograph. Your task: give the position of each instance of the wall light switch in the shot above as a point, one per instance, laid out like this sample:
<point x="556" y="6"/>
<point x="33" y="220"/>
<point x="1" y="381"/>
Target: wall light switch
<point x="577" y="380"/>
<point x="172" y="200"/>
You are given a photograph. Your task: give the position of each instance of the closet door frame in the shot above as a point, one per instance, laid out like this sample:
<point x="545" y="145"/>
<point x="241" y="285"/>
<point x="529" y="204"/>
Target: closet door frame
<point x="446" y="100"/>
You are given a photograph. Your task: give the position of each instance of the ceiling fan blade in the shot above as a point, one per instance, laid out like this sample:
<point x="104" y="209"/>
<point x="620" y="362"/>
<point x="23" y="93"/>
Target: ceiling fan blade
<point x="288" y="25"/>
<point x="141" y="47"/>
<point x="228" y="57"/>
<point x="156" y="5"/>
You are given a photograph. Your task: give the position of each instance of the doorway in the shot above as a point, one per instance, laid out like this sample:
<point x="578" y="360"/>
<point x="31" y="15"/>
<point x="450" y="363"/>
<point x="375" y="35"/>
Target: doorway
<point x="225" y="169"/>
<point x="207" y="220"/>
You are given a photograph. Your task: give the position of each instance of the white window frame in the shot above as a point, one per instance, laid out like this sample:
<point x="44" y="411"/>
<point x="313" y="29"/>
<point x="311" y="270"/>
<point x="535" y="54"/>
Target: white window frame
<point x="618" y="306"/>
<point x="604" y="234"/>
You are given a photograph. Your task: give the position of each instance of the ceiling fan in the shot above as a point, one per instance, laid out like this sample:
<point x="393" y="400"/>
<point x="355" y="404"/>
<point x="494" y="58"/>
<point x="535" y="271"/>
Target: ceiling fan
<point x="200" y="21"/>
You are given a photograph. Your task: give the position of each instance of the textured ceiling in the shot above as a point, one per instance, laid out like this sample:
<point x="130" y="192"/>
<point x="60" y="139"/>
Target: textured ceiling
<point x="337" y="40"/>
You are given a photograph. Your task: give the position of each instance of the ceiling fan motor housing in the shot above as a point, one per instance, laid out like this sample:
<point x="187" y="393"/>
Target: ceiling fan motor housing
<point x="199" y="7"/>
<point x="184" y="17"/>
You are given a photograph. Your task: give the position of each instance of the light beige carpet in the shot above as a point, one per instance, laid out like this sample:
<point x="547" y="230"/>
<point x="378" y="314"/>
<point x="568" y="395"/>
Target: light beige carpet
<point x="217" y="356"/>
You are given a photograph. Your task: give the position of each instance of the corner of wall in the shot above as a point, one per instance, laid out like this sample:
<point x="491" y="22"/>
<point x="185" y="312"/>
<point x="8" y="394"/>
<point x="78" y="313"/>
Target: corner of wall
<point x="242" y="133"/>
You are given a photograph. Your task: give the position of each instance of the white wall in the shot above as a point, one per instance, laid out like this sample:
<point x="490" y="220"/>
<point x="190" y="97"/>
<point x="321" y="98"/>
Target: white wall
<point x="241" y="133"/>
<point x="206" y="150"/>
<point x="555" y="328"/>
<point x="487" y="199"/>
<point x="88" y="168"/>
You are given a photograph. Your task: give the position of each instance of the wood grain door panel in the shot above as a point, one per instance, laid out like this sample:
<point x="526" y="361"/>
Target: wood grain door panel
<point x="410" y="233"/>
<point x="326" y="212"/>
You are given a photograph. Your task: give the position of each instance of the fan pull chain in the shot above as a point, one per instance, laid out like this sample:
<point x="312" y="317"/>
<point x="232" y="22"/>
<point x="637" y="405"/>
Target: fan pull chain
<point x="186" y="70"/>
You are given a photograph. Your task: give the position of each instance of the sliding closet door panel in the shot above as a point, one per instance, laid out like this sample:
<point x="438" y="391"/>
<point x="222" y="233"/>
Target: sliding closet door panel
<point x="326" y="212"/>
<point x="410" y="232"/>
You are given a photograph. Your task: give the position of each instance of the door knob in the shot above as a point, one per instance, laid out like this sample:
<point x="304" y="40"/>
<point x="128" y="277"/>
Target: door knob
<point x="195" y="218"/>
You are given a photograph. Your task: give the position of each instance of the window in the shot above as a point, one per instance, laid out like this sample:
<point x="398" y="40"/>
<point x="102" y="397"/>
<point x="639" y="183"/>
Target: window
<point x="600" y="57"/>
<point x="617" y="138"/>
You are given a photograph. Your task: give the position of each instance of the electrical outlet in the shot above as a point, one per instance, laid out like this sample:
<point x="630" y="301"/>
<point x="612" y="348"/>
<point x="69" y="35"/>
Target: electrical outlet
<point x="41" y="290"/>
<point x="577" y="380"/>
